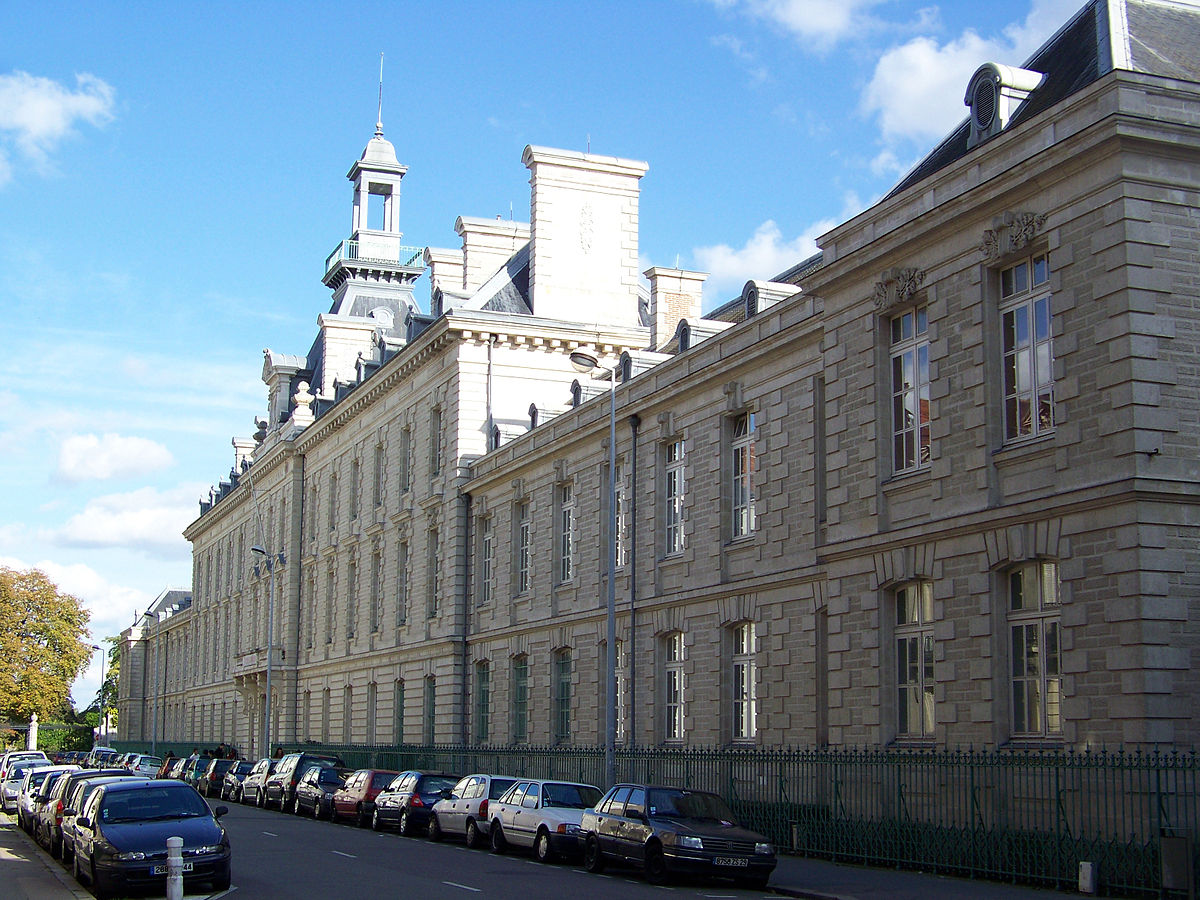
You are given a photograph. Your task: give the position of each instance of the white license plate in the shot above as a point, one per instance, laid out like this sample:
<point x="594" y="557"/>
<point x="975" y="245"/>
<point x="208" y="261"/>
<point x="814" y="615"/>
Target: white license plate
<point x="162" y="870"/>
<point x="730" y="861"/>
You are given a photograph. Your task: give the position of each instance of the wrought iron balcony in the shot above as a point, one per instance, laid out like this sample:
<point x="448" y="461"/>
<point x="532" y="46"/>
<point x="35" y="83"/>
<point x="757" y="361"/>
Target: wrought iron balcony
<point x="377" y="249"/>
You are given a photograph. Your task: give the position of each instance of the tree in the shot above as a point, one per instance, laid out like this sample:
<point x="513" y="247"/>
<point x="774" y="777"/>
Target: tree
<point x="43" y="645"/>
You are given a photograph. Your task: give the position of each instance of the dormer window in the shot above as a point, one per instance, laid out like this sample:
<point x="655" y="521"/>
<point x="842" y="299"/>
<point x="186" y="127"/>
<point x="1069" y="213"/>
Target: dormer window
<point x="994" y="94"/>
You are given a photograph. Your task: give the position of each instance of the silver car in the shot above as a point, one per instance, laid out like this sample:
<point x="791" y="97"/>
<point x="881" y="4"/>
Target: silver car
<point x="29" y="794"/>
<point x="543" y="815"/>
<point x="465" y="812"/>
<point x="11" y="785"/>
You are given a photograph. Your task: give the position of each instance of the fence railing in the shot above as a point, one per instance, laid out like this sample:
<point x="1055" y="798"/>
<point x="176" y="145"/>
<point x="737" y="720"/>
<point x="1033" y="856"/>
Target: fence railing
<point x="1028" y="816"/>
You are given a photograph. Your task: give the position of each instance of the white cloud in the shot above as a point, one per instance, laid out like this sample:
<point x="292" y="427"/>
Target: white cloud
<point x="764" y="255"/>
<point x="147" y="520"/>
<point x="86" y="457"/>
<point x="818" y="21"/>
<point x="916" y="91"/>
<point x="36" y="114"/>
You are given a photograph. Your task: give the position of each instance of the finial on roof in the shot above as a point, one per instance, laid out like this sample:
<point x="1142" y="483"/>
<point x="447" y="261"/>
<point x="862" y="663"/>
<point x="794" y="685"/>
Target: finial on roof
<point x="379" y="120"/>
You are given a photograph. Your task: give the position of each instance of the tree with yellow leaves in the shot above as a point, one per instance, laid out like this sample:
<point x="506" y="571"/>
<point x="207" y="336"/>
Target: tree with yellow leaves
<point x="44" y="645"/>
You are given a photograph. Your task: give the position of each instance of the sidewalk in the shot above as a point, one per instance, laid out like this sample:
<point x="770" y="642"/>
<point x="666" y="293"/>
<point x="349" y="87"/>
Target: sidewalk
<point x="27" y="873"/>
<point x="819" y="879"/>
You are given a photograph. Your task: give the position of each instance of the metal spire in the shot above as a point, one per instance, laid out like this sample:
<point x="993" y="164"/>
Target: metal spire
<point x="379" y="120"/>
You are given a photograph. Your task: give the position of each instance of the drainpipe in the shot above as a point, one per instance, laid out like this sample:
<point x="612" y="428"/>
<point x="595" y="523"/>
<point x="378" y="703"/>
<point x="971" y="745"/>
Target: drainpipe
<point x="634" y="422"/>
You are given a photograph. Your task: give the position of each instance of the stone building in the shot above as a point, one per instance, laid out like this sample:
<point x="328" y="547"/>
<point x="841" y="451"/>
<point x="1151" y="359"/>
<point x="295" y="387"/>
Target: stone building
<point x="935" y="486"/>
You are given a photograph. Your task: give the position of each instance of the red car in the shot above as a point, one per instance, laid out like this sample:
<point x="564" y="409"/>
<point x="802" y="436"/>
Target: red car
<point x="357" y="796"/>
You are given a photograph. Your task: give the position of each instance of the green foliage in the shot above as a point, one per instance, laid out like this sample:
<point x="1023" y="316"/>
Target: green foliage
<point x="43" y="645"/>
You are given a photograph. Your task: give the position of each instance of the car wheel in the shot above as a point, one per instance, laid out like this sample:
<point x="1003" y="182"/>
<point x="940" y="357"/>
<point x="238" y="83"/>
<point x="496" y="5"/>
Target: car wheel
<point x="655" y="865"/>
<point x="76" y="869"/>
<point x="317" y="808"/>
<point x="295" y="806"/>
<point x="593" y="858"/>
<point x="405" y="824"/>
<point x="542" y="848"/>
<point x="376" y="822"/>
<point x="260" y="799"/>
<point x="435" y="829"/>
<point x="98" y="889"/>
<point x="68" y="852"/>
<point x="474" y="838"/>
<point x="499" y="844"/>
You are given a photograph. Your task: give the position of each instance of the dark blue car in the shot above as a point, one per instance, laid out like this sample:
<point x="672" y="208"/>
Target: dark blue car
<point x="122" y="831"/>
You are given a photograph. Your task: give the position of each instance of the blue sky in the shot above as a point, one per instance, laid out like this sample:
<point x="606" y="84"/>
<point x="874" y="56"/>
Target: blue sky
<point x="172" y="177"/>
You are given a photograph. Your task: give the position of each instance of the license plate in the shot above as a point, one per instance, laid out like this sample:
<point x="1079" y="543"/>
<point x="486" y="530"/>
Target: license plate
<point x="162" y="870"/>
<point x="730" y="861"/>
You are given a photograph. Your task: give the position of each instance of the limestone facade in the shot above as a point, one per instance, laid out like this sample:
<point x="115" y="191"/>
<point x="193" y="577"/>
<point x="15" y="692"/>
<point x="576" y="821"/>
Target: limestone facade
<point x="937" y="488"/>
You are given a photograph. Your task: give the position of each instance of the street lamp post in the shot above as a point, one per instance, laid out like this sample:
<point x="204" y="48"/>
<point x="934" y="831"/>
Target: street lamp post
<point x="269" y="559"/>
<point x="102" y="710"/>
<point x="154" y="723"/>
<point x="585" y="362"/>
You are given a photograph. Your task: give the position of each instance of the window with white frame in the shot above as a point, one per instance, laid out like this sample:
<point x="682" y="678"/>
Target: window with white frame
<point x="401" y="583"/>
<point x="910" y="389"/>
<point x="376" y="590"/>
<point x="398" y="711"/>
<point x="432" y="574"/>
<point x="566" y="532"/>
<point x="377" y="477"/>
<point x="325" y="716"/>
<point x="519" y="699"/>
<point x="674" y="496"/>
<point x="562" y="696"/>
<point x="673" y="685"/>
<point x="429" y="717"/>
<point x="372" y="711"/>
<point x="622" y="497"/>
<point x="355" y="477"/>
<point x="914" y="660"/>
<point x="483" y="700"/>
<point x="743" y="462"/>
<point x="486" y="561"/>
<point x="351" y="598"/>
<point x="1028" y="364"/>
<point x="435" y="441"/>
<point x="744" y="691"/>
<point x="622" y="689"/>
<point x="405" y="458"/>
<point x="1034" y="623"/>
<point x="523" y="564"/>
<point x="329" y="604"/>
<point x="333" y="484"/>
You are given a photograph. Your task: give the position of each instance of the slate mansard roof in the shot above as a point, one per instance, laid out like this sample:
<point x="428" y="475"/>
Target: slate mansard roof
<point x="1153" y="37"/>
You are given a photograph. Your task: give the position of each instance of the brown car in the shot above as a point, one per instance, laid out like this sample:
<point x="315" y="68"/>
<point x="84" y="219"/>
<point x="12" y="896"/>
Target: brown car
<point x="357" y="796"/>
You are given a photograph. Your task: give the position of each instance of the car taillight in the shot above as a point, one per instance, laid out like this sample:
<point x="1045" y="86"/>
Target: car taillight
<point x="483" y="808"/>
<point x="58" y="813"/>
<point x="415" y="800"/>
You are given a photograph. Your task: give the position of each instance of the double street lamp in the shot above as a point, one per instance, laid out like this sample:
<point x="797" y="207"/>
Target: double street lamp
<point x="269" y="559"/>
<point x="586" y="363"/>
<point x="102" y="707"/>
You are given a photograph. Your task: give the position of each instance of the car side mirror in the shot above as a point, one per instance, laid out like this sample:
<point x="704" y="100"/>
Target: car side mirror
<point x="67" y="811"/>
<point x="83" y="822"/>
<point x="220" y="811"/>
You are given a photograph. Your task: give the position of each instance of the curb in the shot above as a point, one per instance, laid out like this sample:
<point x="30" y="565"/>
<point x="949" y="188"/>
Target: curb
<point x="808" y="895"/>
<point x="69" y="885"/>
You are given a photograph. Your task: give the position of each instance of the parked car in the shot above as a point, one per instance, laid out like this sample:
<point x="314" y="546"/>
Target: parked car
<point x="231" y="784"/>
<point x="314" y="793"/>
<point x="667" y="830"/>
<point x="78" y="790"/>
<point x="97" y="755"/>
<point x="407" y="801"/>
<point x="11" y="785"/>
<point x="280" y="789"/>
<point x="47" y="809"/>
<point x="542" y="815"/>
<point x="122" y="831"/>
<point x="465" y="811"/>
<point x="144" y="764"/>
<point x="252" y="788"/>
<point x="176" y="769"/>
<point x="13" y="756"/>
<point x="193" y="771"/>
<point x="356" y="798"/>
<point x="29" y="797"/>
<point x="209" y="783"/>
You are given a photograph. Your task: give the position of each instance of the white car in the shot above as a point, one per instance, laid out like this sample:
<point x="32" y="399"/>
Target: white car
<point x="465" y="811"/>
<point x="542" y="814"/>
<point x="144" y="764"/>
<point x="11" y="785"/>
<point x="14" y="755"/>
<point x="30" y="786"/>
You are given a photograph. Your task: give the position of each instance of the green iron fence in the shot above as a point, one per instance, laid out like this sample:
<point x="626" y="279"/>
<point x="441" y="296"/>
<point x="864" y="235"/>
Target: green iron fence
<point x="1027" y="816"/>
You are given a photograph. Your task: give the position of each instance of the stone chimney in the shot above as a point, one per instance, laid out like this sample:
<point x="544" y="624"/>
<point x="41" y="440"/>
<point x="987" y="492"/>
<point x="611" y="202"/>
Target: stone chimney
<point x="487" y="245"/>
<point x="583" y="264"/>
<point x="445" y="269"/>
<point x="674" y="295"/>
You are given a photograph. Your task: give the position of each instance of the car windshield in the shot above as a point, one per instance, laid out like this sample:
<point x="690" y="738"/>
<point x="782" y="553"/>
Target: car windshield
<point x="150" y="804"/>
<point x="36" y="777"/>
<point x="432" y="784"/>
<point x="570" y="796"/>
<point x="679" y="804"/>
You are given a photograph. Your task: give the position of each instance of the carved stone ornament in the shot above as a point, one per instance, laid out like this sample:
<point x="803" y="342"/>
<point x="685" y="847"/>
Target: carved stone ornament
<point x="897" y="286"/>
<point x="1011" y="232"/>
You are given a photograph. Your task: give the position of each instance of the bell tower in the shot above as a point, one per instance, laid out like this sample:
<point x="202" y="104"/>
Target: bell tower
<point x="371" y="273"/>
